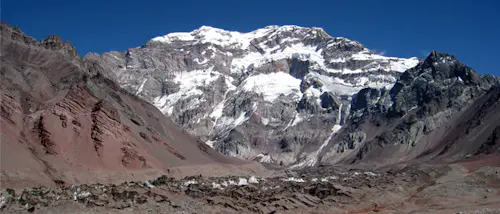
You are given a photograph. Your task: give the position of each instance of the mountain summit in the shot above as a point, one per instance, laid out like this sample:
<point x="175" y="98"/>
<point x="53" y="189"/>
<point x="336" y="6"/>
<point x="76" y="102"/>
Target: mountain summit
<point x="279" y="94"/>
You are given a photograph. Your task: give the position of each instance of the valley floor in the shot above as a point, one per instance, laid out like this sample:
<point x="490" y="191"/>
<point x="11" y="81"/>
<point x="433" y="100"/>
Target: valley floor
<point x="466" y="187"/>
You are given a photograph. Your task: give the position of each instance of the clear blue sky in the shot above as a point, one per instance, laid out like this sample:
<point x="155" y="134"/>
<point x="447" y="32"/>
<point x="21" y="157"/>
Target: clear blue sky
<point x="468" y="29"/>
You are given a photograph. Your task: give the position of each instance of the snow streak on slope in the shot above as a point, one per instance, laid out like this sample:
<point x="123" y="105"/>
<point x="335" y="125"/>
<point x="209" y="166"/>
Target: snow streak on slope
<point x="395" y="64"/>
<point x="339" y="86"/>
<point x="312" y="159"/>
<point x="139" y="90"/>
<point x="263" y="158"/>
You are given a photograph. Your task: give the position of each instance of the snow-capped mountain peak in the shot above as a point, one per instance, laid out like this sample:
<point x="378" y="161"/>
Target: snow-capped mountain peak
<point x="230" y="87"/>
<point x="207" y="34"/>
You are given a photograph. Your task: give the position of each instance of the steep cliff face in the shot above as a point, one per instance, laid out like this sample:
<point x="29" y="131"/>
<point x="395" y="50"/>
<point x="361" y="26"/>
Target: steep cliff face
<point x="61" y="116"/>
<point x="267" y="93"/>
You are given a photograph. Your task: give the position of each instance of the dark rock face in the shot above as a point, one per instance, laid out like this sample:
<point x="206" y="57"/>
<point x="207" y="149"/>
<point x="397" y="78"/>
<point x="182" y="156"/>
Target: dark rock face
<point x="328" y="101"/>
<point x="439" y="95"/>
<point x="433" y="84"/>
<point x="55" y="42"/>
<point x="365" y="98"/>
<point x="15" y="34"/>
<point x="298" y="68"/>
<point x="492" y="144"/>
<point x="52" y="42"/>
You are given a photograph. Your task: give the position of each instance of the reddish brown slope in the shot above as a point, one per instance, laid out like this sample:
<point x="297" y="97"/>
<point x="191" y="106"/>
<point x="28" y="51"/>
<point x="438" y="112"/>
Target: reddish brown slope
<point x="62" y="120"/>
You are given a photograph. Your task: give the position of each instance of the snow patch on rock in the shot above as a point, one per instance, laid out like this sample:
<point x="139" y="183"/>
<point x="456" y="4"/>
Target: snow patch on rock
<point x="273" y="85"/>
<point x="292" y="179"/>
<point x="149" y="185"/>
<point x="187" y="183"/>
<point x="210" y="143"/>
<point x="264" y="158"/>
<point x="216" y="186"/>
<point x="242" y="182"/>
<point x="253" y="180"/>
<point x="139" y="90"/>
